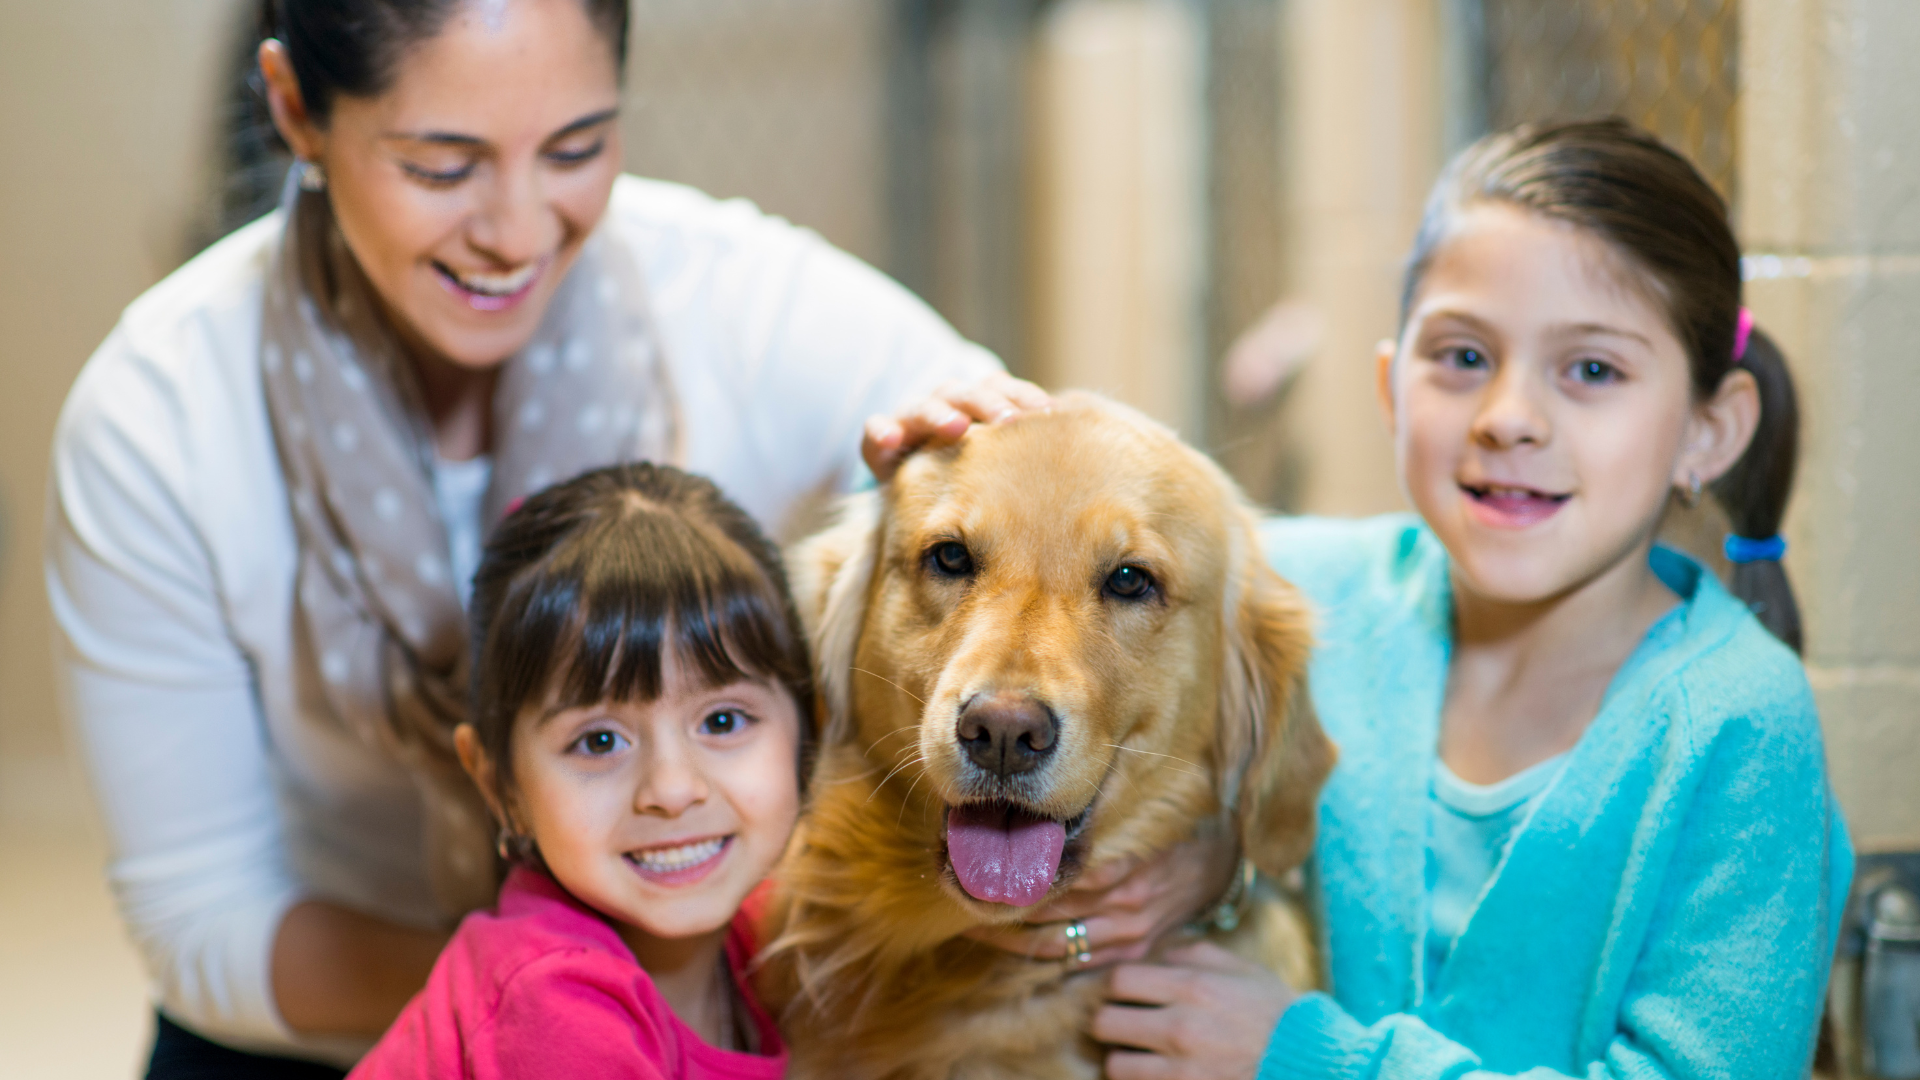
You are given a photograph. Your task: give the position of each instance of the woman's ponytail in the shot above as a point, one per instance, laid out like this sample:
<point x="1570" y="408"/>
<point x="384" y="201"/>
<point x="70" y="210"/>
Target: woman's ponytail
<point x="1754" y="492"/>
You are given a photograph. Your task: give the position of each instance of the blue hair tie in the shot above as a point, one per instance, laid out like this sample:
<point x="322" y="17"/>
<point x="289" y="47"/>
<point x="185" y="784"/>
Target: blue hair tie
<point x="1743" y="549"/>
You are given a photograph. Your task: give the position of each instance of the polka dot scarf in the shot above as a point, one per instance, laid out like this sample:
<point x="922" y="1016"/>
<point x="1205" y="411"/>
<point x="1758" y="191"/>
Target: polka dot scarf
<point x="380" y="640"/>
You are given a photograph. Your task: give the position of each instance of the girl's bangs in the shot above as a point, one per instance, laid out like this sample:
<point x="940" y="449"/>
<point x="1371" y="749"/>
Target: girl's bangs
<point x="596" y="622"/>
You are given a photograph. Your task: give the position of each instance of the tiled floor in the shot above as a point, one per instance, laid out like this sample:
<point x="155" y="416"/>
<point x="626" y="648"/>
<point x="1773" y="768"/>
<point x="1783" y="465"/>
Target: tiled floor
<point x="73" y="998"/>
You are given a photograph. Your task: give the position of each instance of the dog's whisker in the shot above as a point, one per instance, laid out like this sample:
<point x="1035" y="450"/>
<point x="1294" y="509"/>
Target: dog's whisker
<point x="1194" y="770"/>
<point x="917" y="758"/>
<point x="891" y="734"/>
<point x="1113" y="768"/>
<point x="1094" y="785"/>
<point x="902" y="815"/>
<point x="895" y="685"/>
<point x="1150" y="753"/>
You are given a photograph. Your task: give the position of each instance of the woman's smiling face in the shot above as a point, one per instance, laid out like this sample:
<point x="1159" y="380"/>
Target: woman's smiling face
<point x="1541" y="404"/>
<point x="466" y="188"/>
<point x="663" y="815"/>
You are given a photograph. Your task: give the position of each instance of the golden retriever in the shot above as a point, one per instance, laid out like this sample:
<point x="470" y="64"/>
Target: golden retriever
<point x="1053" y="644"/>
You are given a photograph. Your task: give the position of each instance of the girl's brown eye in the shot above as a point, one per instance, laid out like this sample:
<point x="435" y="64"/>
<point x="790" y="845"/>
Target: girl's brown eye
<point x="598" y="743"/>
<point x="724" y="722"/>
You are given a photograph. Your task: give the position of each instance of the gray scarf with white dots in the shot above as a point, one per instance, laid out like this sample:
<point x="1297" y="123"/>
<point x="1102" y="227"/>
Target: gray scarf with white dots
<point x="380" y="640"/>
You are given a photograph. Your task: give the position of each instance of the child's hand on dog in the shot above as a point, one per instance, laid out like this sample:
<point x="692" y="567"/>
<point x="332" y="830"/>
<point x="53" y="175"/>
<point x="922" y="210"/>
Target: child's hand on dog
<point x="1203" y="1013"/>
<point x="944" y="417"/>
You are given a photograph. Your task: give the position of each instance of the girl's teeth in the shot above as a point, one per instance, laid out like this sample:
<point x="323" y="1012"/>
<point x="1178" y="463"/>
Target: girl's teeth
<point x="499" y="284"/>
<point x="679" y="858"/>
<point x="1494" y="491"/>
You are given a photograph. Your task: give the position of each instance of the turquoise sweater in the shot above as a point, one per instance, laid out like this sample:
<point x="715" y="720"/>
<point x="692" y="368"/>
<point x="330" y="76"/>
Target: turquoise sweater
<point x="1669" y="908"/>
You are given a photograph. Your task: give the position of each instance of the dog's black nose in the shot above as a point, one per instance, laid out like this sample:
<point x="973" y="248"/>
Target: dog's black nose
<point x="1006" y="734"/>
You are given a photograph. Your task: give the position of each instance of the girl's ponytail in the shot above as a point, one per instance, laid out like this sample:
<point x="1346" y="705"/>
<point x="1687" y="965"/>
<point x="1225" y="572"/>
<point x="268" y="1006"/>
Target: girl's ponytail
<point x="1754" y="492"/>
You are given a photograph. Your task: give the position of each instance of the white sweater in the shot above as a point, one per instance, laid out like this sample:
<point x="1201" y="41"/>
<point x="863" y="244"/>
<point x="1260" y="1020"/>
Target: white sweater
<point x="171" y="558"/>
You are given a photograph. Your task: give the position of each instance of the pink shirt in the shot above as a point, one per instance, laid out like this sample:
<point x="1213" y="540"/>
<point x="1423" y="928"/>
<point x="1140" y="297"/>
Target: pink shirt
<point x="542" y="986"/>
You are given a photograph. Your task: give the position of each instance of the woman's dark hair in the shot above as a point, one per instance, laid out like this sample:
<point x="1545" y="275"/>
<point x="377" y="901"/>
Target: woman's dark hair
<point x="1625" y="186"/>
<point x="585" y="587"/>
<point x="351" y="46"/>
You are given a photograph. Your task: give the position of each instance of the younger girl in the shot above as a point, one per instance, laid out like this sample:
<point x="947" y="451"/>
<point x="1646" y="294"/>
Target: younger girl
<point x="642" y="710"/>
<point x="1581" y="822"/>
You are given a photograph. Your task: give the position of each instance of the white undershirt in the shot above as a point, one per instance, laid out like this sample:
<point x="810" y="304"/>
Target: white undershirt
<point x="460" y="490"/>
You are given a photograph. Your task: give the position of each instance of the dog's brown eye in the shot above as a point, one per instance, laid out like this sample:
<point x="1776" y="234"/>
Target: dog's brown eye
<point x="1129" y="583"/>
<point x="952" y="559"/>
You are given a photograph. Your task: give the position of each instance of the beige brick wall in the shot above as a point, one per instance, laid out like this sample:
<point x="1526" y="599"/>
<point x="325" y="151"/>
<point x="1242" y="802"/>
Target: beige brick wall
<point x="781" y="101"/>
<point x="1830" y="216"/>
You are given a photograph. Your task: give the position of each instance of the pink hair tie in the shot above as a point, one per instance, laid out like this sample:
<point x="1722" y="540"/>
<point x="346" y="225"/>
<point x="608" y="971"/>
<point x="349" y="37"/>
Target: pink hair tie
<point x="1740" y="335"/>
<point x="518" y="501"/>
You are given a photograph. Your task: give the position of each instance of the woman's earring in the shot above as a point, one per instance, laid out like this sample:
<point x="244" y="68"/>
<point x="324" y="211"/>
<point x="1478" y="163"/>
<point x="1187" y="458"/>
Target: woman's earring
<point x="502" y="845"/>
<point x="312" y="176"/>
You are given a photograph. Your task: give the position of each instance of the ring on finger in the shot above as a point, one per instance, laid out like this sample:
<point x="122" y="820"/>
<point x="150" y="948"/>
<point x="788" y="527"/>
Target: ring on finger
<point x="1078" y="954"/>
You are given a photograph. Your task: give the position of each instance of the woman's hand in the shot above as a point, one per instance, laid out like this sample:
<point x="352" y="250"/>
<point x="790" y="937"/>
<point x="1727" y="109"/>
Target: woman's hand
<point x="1203" y="1014"/>
<point x="945" y="416"/>
<point x="1126" y="905"/>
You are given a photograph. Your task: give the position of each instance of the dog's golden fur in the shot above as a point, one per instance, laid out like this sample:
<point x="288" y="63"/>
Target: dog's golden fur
<point x="1184" y="711"/>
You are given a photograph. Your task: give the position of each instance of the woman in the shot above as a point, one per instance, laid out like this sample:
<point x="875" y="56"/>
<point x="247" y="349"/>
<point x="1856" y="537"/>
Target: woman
<point x="271" y="481"/>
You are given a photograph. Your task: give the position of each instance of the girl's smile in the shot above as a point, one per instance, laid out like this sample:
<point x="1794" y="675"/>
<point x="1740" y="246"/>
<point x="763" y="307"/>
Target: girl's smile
<point x="1511" y="506"/>
<point x="680" y="863"/>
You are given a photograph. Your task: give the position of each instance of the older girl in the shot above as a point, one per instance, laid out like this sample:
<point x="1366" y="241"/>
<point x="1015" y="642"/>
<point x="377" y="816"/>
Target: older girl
<point x="271" y="482"/>
<point x="1581" y="823"/>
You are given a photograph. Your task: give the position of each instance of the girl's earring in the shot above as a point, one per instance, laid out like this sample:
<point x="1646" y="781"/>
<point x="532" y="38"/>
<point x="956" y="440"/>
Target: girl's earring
<point x="1690" y="497"/>
<point x="312" y="176"/>
<point x="502" y="845"/>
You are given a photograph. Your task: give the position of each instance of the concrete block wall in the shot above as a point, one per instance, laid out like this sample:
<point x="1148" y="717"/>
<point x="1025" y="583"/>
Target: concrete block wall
<point x="1830" y="218"/>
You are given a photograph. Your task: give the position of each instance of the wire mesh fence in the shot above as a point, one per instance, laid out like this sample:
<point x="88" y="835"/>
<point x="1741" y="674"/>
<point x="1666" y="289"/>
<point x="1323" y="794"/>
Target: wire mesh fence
<point x="782" y="101"/>
<point x="1669" y="65"/>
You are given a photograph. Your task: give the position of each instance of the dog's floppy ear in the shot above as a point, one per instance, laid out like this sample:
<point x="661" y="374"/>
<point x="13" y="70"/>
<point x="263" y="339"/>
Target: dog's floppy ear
<point x="830" y="572"/>
<point x="1273" y="754"/>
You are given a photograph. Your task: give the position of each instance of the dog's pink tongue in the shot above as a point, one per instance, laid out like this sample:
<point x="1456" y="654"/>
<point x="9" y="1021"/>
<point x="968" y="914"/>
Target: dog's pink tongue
<point x="1004" y="856"/>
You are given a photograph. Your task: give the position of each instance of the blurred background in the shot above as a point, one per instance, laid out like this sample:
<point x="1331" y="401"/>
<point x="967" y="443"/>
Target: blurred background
<point x="1198" y="206"/>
